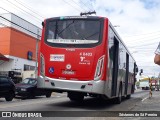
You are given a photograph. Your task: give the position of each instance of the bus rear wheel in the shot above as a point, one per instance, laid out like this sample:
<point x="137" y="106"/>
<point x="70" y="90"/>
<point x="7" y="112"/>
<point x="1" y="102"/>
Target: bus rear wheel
<point x="48" y="95"/>
<point x="76" y="96"/>
<point x="128" y="96"/>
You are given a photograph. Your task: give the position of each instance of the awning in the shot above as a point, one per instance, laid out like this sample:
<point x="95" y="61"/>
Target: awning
<point x="3" y="58"/>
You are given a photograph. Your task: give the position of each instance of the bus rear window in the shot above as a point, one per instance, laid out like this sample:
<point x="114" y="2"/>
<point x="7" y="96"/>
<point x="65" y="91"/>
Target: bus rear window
<point x="73" y="32"/>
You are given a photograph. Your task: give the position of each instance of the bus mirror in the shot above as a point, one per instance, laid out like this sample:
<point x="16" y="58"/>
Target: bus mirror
<point x="43" y="24"/>
<point x="136" y="69"/>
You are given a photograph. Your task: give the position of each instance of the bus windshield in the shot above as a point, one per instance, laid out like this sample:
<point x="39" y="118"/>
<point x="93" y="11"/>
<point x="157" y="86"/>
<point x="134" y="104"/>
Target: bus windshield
<point x="73" y="32"/>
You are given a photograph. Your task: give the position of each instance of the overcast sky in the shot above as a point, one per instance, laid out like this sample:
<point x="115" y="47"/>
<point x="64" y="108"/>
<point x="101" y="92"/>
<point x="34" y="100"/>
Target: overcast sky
<point x="138" y="21"/>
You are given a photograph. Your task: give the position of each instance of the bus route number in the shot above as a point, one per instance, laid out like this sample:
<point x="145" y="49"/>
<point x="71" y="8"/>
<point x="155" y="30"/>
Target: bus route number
<point x="85" y="54"/>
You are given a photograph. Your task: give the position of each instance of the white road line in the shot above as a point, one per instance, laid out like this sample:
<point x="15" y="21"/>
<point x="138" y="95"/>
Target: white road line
<point x="144" y="99"/>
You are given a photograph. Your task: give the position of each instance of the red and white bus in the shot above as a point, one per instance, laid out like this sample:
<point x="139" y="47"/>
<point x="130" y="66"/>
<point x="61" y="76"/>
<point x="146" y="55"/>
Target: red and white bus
<point x="84" y="56"/>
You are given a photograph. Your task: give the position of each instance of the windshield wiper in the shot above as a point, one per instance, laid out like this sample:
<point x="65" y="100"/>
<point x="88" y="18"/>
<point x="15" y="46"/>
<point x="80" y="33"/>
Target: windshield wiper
<point x="91" y="35"/>
<point x="65" y="28"/>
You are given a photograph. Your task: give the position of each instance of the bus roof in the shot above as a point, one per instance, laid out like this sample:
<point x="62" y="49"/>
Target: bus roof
<point x="76" y="17"/>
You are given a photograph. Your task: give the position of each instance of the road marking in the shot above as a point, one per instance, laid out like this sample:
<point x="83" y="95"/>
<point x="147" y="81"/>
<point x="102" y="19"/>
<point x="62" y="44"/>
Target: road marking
<point x="144" y="99"/>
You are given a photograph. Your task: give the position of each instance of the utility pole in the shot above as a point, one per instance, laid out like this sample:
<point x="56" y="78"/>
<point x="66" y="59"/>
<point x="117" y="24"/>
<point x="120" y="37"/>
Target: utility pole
<point x="150" y="83"/>
<point x="150" y="86"/>
<point x="37" y="42"/>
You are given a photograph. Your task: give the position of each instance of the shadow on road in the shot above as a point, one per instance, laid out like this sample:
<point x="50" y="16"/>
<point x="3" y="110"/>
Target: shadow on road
<point x="87" y="104"/>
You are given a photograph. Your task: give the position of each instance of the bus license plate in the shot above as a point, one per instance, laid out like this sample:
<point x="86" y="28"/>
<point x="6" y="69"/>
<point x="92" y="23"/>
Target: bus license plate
<point x="68" y="72"/>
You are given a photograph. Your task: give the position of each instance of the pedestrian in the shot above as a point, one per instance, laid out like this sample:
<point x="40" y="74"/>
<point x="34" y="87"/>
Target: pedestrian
<point x="157" y="55"/>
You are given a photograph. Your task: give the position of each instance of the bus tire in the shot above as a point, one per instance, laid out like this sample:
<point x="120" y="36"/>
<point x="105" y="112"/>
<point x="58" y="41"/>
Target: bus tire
<point x="48" y="95"/>
<point x="128" y="96"/>
<point x="76" y="96"/>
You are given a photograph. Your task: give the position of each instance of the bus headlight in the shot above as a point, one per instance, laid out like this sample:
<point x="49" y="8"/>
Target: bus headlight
<point x="99" y="68"/>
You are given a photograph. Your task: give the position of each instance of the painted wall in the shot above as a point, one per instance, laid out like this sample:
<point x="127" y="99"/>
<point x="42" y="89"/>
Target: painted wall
<point x="5" y="34"/>
<point x="21" y="43"/>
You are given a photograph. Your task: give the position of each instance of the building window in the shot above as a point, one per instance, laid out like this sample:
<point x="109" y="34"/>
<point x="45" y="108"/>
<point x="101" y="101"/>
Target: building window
<point x="32" y="67"/>
<point x="28" y="67"/>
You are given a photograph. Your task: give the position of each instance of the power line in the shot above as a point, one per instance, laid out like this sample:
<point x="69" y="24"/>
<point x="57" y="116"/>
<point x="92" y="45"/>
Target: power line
<point x="18" y="26"/>
<point x="71" y="5"/>
<point x="12" y="13"/>
<point x="6" y="10"/>
<point x="78" y="5"/>
<point x="146" y="38"/>
<point x="24" y="5"/>
<point x="15" y="44"/>
<point x="86" y="5"/>
<point x="3" y="25"/>
<point x="146" y="66"/>
<point x="23" y="10"/>
<point x="144" y="45"/>
<point x="141" y="34"/>
<point x="146" y="50"/>
<point x="148" y="44"/>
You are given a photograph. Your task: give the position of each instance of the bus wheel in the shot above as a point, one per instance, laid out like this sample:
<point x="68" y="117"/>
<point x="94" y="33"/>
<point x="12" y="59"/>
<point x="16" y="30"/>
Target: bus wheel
<point x="48" y="95"/>
<point x="119" y="98"/>
<point x="128" y="96"/>
<point x="76" y="96"/>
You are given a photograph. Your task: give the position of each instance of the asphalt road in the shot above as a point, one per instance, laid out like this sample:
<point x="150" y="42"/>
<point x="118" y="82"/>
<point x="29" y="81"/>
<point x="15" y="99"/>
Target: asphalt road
<point x="60" y="102"/>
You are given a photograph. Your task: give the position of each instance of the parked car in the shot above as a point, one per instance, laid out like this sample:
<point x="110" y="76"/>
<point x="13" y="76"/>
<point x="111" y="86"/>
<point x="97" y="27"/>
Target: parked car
<point x="7" y="88"/>
<point x="28" y="88"/>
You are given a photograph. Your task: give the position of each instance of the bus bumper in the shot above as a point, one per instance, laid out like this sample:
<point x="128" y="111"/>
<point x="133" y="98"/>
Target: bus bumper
<point x="91" y="86"/>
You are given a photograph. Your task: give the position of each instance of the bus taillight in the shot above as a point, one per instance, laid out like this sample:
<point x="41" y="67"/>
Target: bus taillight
<point x="99" y="68"/>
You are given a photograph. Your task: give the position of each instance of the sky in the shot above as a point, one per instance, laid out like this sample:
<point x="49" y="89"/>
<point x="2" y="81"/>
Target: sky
<point x="136" y="21"/>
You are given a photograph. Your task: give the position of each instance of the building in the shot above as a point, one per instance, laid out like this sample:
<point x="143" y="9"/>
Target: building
<point x="3" y="59"/>
<point x="18" y="41"/>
